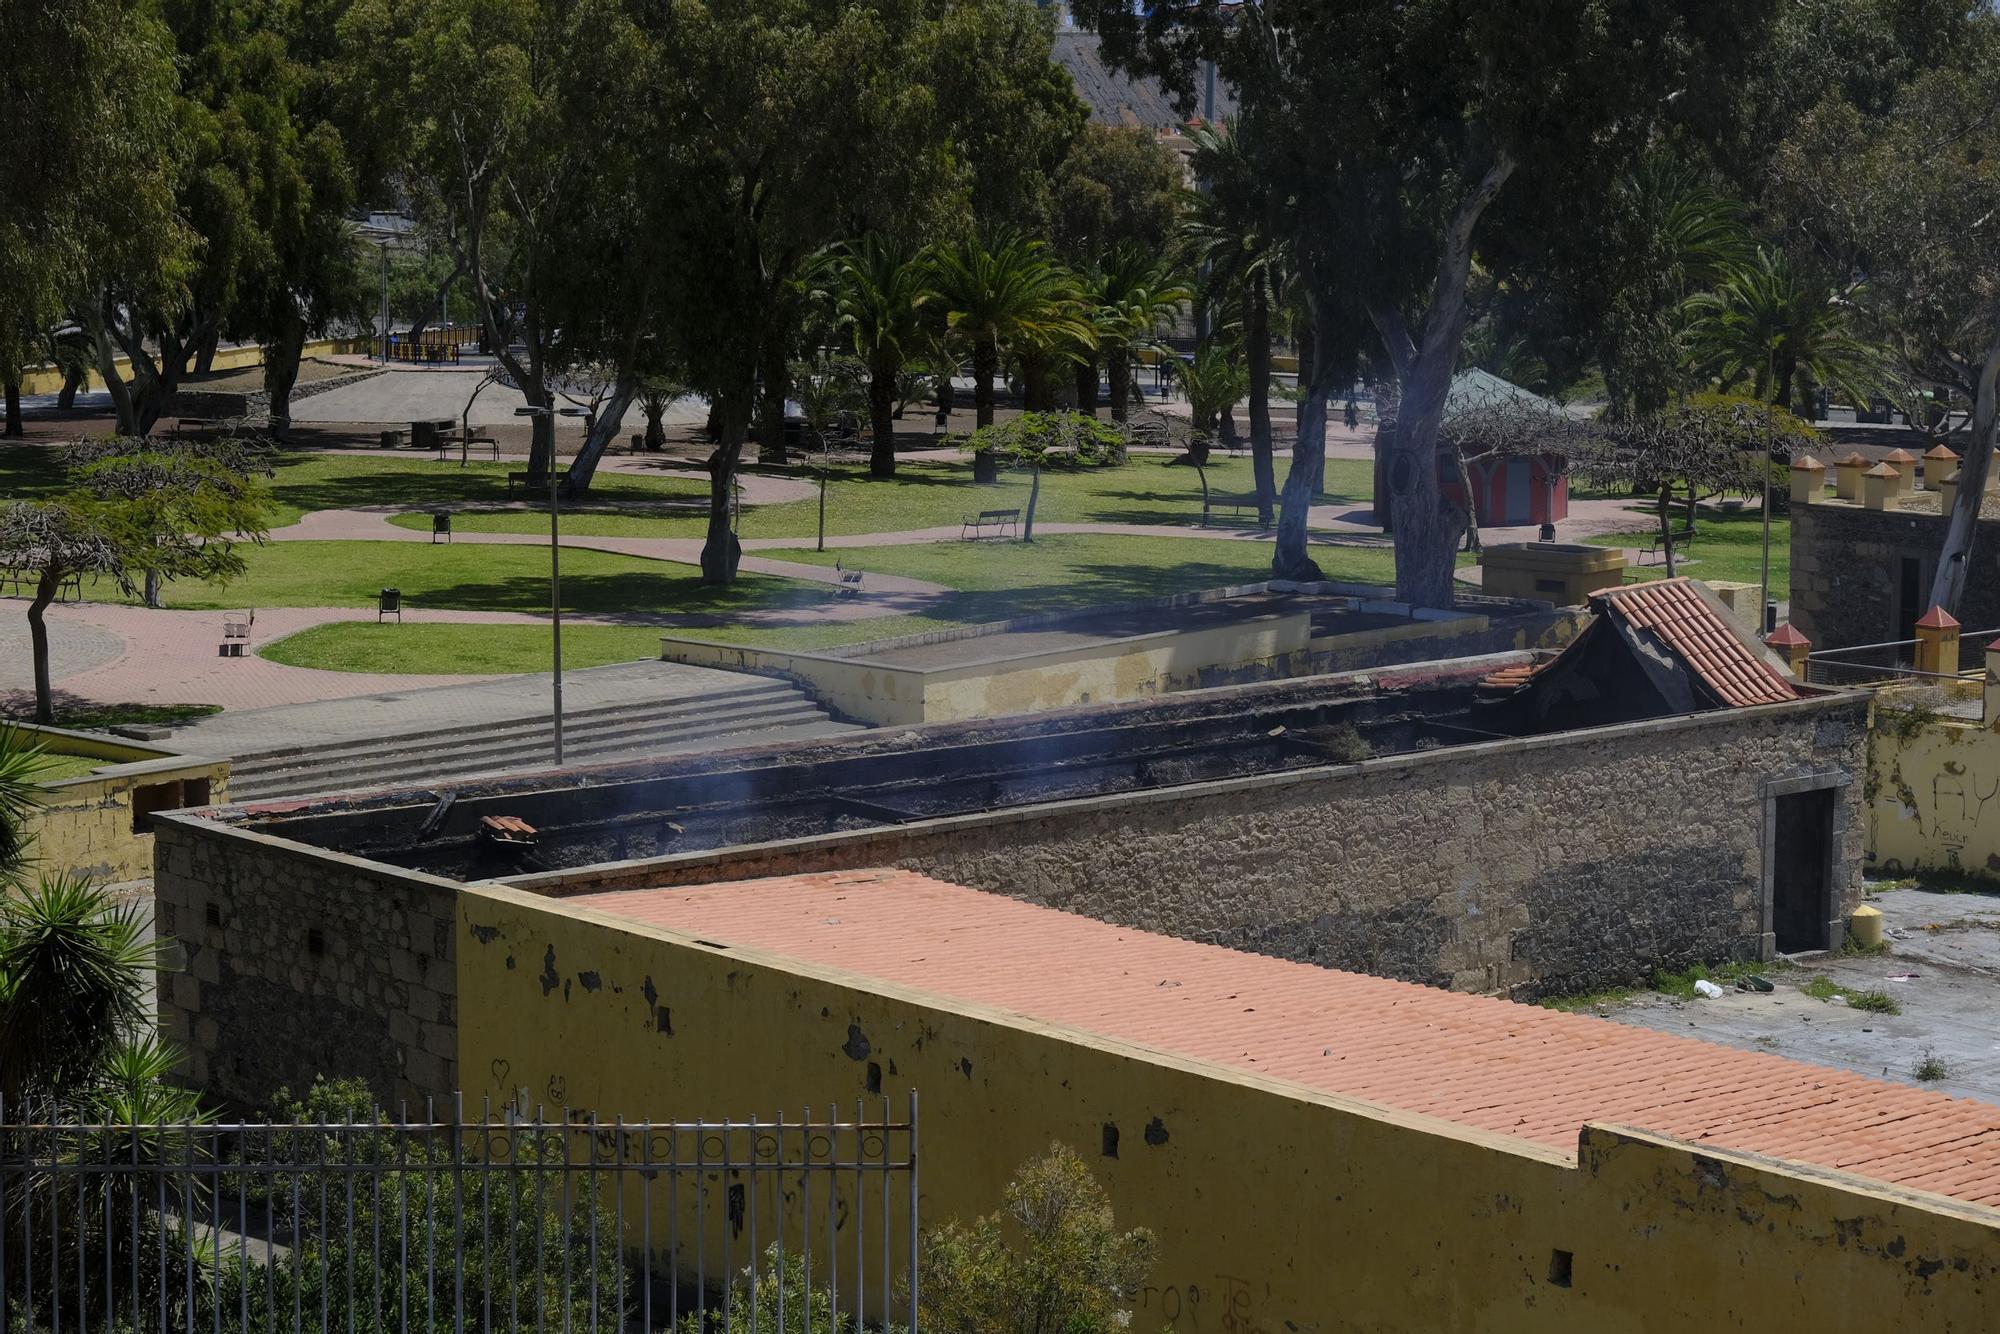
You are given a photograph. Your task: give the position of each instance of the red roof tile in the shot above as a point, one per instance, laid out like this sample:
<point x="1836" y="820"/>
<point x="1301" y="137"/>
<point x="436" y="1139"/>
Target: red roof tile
<point x="1516" y="1070"/>
<point x="1675" y="614"/>
<point x="1787" y="636"/>
<point x="1941" y="451"/>
<point x="1882" y="470"/>
<point x="1807" y="463"/>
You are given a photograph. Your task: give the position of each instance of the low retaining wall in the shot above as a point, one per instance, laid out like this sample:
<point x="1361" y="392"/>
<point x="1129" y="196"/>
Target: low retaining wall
<point x="98" y="825"/>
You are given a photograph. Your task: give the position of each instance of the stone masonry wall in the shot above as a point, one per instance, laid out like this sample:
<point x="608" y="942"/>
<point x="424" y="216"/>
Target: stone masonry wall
<point x="1847" y="562"/>
<point x="1551" y="864"/>
<point x="300" y="962"/>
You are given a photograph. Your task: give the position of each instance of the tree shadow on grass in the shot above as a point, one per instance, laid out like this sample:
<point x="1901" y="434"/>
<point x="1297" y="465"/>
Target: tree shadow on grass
<point x="29" y="472"/>
<point x="624" y="598"/>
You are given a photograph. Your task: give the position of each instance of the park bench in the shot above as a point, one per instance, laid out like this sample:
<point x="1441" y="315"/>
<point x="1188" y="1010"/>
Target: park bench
<point x="447" y="446"/>
<point x="999" y="521"/>
<point x="235" y="633"/>
<point x="1681" y="538"/>
<point x="515" y="479"/>
<point x="849" y="584"/>
<point x="1235" y="504"/>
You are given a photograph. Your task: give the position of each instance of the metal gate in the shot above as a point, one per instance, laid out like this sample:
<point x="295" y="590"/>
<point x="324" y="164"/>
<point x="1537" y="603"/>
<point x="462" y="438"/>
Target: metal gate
<point x="496" y="1223"/>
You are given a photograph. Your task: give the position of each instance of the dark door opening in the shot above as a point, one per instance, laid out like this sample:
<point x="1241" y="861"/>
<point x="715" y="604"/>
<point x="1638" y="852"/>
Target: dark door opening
<point x="1802" y="870"/>
<point x="1912" y="590"/>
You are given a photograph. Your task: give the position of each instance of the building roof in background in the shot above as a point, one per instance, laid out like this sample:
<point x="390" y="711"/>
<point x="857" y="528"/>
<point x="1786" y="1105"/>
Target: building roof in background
<point x="1476" y="390"/>
<point x="1516" y="1070"/>
<point x="1677" y="615"/>
<point x="1116" y="98"/>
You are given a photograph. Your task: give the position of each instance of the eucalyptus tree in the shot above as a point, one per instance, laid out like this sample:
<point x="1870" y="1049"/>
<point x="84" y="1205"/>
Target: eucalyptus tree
<point x="1400" y="134"/>
<point x="1233" y="234"/>
<point x="1917" y="199"/>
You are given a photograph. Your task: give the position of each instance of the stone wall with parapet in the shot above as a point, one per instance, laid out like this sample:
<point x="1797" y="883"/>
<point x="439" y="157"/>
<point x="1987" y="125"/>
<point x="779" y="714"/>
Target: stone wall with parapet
<point x="1848" y="566"/>
<point x="1531" y="866"/>
<point x="298" y="962"/>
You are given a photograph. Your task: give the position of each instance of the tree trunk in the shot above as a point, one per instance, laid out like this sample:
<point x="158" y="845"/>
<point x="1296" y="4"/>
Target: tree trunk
<point x="777" y="384"/>
<point x="947" y="392"/>
<point x="1034" y="494"/>
<point x="204" y="352"/>
<point x="1118" y="372"/>
<point x="882" y="420"/>
<point x="74" y="378"/>
<point x="1471" y="500"/>
<point x="281" y="373"/>
<point x="721" y="553"/>
<point x="610" y="421"/>
<point x="436" y="303"/>
<point x="1258" y="336"/>
<point x="1948" y="587"/>
<point x="542" y="437"/>
<point x="1426" y="533"/>
<point x="14" y="426"/>
<point x="1388" y="398"/>
<point x="1302" y="483"/>
<point x="38" y="639"/>
<point x="122" y="406"/>
<point x="656" y="429"/>
<point x="1666" y="506"/>
<point x="1086" y="386"/>
<point x="985" y="365"/>
<point x="152" y="590"/>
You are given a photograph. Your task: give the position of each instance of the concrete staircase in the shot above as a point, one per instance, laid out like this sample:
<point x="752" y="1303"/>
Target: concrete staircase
<point x="758" y="712"/>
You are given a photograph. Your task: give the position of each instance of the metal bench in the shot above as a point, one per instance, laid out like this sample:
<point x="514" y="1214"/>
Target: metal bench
<point x="849" y="584"/>
<point x="1002" y="522"/>
<point x="446" y="447"/>
<point x="235" y="633"/>
<point x="1681" y="538"/>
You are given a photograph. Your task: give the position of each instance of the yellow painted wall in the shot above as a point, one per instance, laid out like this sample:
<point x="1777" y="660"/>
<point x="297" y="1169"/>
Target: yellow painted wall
<point x="84" y="825"/>
<point x="1932" y="788"/>
<point x="1106" y="672"/>
<point x="49" y="380"/>
<point x="1278" y="1210"/>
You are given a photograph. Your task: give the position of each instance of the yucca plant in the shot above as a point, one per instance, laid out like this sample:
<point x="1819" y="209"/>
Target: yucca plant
<point x="22" y="763"/>
<point x="74" y="963"/>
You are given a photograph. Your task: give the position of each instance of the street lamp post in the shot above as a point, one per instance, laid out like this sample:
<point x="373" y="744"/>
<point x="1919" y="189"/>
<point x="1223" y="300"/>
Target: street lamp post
<point x="555" y="581"/>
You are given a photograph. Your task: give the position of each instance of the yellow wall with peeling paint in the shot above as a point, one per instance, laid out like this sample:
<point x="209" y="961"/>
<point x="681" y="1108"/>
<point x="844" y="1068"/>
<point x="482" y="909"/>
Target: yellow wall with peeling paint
<point x="1933" y="786"/>
<point x="83" y="826"/>
<point x="1279" y="1210"/>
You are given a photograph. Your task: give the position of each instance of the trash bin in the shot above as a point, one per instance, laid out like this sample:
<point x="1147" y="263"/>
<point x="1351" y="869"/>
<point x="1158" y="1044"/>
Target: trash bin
<point x="440" y="527"/>
<point x="389" y="602"/>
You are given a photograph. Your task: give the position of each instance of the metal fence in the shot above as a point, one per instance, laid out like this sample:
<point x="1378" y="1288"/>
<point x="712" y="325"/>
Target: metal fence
<point x="1881" y="664"/>
<point x="514" y="1223"/>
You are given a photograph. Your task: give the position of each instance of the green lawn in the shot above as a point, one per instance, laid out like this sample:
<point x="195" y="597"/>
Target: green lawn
<point x="60" y="768"/>
<point x="459" y="649"/>
<point x="931" y="495"/>
<point x="997" y="580"/>
<point x="28" y="472"/>
<point x="307" y="482"/>
<point x="1727" y="548"/>
<point x="478" y="578"/>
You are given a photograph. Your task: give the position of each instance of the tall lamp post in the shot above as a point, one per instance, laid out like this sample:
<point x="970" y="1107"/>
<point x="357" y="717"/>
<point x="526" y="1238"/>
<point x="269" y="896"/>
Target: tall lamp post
<point x="555" y="580"/>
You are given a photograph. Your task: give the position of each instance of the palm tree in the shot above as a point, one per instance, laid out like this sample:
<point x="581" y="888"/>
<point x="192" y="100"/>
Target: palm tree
<point x="1783" y="331"/>
<point x="1004" y="293"/>
<point x="1135" y="294"/>
<point x="883" y="300"/>
<point x="1215" y="381"/>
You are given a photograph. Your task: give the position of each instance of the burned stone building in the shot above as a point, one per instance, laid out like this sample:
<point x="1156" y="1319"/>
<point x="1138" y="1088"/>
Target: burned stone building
<point x="1657" y="794"/>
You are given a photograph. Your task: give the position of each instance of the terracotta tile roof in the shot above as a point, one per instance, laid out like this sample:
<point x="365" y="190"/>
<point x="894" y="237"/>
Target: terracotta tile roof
<point x="1941" y="452"/>
<point x="1512" y="678"/>
<point x="1517" y="1070"/>
<point x="1807" y="463"/>
<point x="1787" y="636"/>
<point x="1674" y="613"/>
<point x="1881" y="470"/>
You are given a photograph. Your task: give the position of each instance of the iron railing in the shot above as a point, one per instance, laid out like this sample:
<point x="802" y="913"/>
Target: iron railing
<point x="766" y="1227"/>
<point x="1880" y="664"/>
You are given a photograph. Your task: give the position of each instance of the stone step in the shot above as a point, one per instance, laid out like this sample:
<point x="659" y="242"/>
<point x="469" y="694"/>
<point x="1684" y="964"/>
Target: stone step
<point x="440" y="768"/>
<point x="755" y="689"/>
